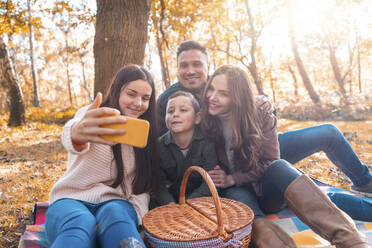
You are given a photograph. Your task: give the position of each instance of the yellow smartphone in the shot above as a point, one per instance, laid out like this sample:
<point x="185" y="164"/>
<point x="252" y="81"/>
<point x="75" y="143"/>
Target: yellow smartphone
<point x="136" y="132"/>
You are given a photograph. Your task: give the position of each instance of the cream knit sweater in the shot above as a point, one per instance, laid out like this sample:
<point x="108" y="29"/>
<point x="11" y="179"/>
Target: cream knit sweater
<point x="90" y="173"/>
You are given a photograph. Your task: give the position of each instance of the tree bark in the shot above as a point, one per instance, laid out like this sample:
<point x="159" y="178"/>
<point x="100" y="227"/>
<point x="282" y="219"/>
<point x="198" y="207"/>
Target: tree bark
<point x="305" y="78"/>
<point x="12" y="59"/>
<point x="359" y="65"/>
<point x="160" y="39"/>
<point x="85" y="82"/>
<point x="67" y="62"/>
<point x="164" y="69"/>
<point x="351" y="57"/>
<point x="295" y="84"/>
<point x="336" y="69"/>
<point x="36" y="101"/>
<point x="16" y="103"/>
<point x="253" y="67"/>
<point x="120" y="39"/>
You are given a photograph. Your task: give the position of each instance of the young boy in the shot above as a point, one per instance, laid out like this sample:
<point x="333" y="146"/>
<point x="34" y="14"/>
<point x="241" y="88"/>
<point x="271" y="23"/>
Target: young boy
<point x="181" y="147"/>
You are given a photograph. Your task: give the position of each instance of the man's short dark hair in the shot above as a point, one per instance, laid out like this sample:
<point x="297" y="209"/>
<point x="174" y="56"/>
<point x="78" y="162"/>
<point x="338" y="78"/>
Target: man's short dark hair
<point x="190" y="45"/>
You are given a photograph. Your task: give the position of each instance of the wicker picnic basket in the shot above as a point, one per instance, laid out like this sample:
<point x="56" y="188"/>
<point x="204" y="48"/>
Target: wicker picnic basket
<point x="199" y="222"/>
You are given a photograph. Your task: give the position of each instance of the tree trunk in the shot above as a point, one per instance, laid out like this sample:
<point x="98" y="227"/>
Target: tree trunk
<point x="305" y="78"/>
<point x="160" y="39"/>
<point x="350" y="71"/>
<point x="85" y="82"/>
<point x="359" y="67"/>
<point x="256" y="78"/>
<point x="295" y="84"/>
<point x="12" y="58"/>
<point x="120" y="39"/>
<point x="36" y="101"/>
<point x="16" y="105"/>
<point x="253" y="66"/>
<point x="336" y="69"/>
<point x="164" y="69"/>
<point x="272" y="86"/>
<point x="67" y="62"/>
<point x="228" y="55"/>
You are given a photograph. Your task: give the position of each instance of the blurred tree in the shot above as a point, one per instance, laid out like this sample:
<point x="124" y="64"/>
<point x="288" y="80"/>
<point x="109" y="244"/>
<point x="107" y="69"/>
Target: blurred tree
<point x="219" y="31"/>
<point x="235" y="28"/>
<point x="16" y="105"/>
<point x="358" y="61"/>
<point x="305" y="78"/>
<point x="252" y="66"/>
<point x="341" y="30"/>
<point x="81" y="52"/>
<point x="336" y="69"/>
<point x="13" y="20"/>
<point x="17" y="19"/>
<point x="173" y="22"/>
<point x="337" y="35"/>
<point x="162" y="44"/>
<point x="120" y="39"/>
<point x="335" y="32"/>
<point x="293" y="74"/>
<point x="36" y="101"/>
<point x="68" y="16"/>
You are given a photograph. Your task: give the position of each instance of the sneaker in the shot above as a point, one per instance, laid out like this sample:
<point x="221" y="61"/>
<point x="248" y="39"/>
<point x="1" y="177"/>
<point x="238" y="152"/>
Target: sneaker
<point x="365" y="190"/>
<point x="130" y="243"/>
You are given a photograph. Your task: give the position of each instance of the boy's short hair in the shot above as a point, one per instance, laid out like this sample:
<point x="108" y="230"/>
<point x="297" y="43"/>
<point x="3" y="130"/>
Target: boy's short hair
<point x="191" y="45"/>
<point x="195" y="104"/>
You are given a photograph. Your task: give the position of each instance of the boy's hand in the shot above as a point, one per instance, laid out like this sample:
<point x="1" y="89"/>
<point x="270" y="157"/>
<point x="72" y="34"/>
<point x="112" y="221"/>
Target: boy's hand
<point x="220" y="179"/>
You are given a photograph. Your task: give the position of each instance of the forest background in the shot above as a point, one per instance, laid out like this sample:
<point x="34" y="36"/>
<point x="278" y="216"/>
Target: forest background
<point x="311" y="58"/>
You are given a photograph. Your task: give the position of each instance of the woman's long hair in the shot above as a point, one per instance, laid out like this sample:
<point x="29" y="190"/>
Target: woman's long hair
<point x="146" y="159"/>
<point x="245" y="126"/>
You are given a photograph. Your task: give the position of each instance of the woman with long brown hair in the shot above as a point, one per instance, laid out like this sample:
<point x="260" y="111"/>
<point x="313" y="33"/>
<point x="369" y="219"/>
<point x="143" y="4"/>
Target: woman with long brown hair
<point x="251" y="172"/>
<point x="104" y="192"/>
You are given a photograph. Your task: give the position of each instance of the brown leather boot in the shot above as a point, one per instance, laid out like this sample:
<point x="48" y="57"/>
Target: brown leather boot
<point x="315" y="209"/>
<point x="266" y="234"/>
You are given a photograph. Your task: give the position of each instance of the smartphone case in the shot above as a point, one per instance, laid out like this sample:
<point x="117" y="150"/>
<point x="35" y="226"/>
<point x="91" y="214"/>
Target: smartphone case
<point x="136" y="132"/>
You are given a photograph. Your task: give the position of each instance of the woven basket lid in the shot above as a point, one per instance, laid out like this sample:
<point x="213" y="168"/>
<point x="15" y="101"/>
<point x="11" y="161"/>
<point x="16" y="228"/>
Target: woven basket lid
<point x="199" y="218"/>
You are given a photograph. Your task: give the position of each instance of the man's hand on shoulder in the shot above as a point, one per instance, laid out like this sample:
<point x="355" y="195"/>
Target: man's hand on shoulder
<point x="264" y="104"/>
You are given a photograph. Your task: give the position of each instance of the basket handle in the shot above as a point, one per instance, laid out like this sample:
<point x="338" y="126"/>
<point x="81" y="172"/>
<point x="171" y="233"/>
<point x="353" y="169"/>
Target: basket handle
<point x="220" y="225"/>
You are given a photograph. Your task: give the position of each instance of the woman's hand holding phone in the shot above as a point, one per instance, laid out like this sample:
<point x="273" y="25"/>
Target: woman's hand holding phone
<point x="89" y="128"/>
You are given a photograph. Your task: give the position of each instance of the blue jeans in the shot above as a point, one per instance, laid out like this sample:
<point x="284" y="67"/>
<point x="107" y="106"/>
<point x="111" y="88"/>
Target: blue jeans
<point x="278" y="176"/>
<point x="299" y="144"/>
<point x="73" y="223"/>
<point x="358" y="208"/>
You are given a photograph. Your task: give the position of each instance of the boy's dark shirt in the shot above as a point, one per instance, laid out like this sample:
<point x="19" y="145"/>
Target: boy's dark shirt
<point x="173" y="166"/>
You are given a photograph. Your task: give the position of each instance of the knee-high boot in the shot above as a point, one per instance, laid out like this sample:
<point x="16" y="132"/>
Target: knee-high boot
<point x="315" y="209"/>
<point x="266" y="234"/>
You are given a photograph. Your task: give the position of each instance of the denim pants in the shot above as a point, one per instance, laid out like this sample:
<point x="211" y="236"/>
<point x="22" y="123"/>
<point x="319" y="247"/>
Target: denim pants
<point x="299" y="144"/>
<point x="278" y="176"/>
<point x="359" y="208"/>
<point x="73" y="223"/>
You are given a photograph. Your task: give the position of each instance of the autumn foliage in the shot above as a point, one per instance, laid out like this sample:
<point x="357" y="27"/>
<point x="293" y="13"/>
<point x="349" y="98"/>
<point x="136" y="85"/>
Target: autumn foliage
<point x="311" y="58"/>
<point x="32" y="159"/>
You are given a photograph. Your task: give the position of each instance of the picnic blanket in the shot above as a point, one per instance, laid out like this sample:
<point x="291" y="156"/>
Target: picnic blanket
<point x="34" y="235"/>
